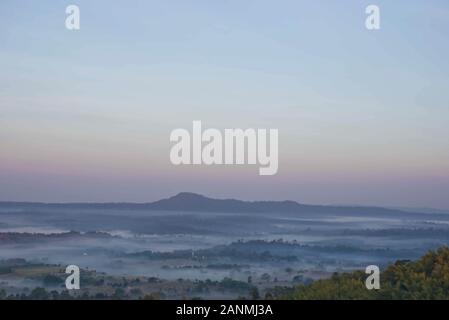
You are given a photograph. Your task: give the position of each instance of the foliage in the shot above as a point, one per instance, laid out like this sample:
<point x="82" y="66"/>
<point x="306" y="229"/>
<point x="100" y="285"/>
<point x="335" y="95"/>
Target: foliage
<point x="425" y="279"/>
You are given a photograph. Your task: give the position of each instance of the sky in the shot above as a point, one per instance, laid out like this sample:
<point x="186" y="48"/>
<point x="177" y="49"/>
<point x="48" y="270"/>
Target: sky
<point x="362" y="115"/>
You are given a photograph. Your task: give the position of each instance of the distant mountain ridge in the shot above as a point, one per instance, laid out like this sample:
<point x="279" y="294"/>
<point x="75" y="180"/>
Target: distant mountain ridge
<point x="196" y="202"/>
<point x="186" y="201"/>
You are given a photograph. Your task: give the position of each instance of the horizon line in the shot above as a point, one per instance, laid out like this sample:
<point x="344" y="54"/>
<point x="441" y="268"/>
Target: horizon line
<point x="400" y="208"/>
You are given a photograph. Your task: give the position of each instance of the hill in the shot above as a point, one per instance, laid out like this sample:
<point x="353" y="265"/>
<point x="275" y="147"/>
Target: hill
<point x="186" y="201"/>
<point x="425" y="279"/>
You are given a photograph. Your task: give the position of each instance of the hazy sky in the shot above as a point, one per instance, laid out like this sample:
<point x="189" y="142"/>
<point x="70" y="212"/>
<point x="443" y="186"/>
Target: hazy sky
<point x="363" y="116"/>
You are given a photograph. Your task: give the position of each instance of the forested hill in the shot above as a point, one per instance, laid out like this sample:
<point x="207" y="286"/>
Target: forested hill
<point x="427" y="278"/>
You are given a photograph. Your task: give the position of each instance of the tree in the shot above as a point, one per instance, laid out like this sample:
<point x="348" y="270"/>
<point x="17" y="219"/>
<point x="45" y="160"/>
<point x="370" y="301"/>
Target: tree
<point x="255" y="293"/>
<point x="427" y="278"/>
<point x="39" y="294"/>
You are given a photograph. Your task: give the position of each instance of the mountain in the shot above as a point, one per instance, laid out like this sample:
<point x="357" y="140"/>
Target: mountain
<point x="194" y="202"/>
<point x="186" y="201"/>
